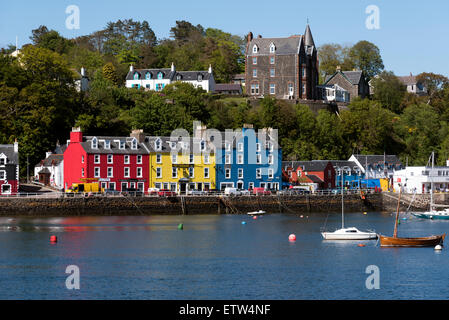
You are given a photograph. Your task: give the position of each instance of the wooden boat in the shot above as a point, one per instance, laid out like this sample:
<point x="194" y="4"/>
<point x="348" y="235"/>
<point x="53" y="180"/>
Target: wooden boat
<point x="257" y="213"/>
<point x="396" y="241"/>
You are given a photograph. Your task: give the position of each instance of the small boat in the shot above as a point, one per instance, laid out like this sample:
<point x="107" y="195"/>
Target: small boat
<point x="347" y="233"/>
<point x="396" y="241"/>
<point x="257" y="213"/>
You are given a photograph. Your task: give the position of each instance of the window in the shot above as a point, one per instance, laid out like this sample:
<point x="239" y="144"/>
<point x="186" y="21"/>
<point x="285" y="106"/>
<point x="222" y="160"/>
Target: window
<point x="255" y="88"/>
<point x="160" y="75"/>
<point x="290" y="89"/>
<point x="112" y="185"/>
<point x="270" y="159"/>
<point x="272" y="60"/>
<point x="124" y="186"/>
<point x="272" y="88"/>
<point x="255" y="49"/>
<point x="139" y="172"/>
<point x="139" y="159"/>
<point x="174" y="172"/>
<point x="110" y="172"/>
<point x="240" y="158"/>
<point x="303" y="72"/>
<point x="203" y="145"/>
<point x="126" y="159"/>
<point x="206" y="173"/>
<point x="270" y="173"/>
<point x="3" y="161"/>
<point x="2" y="175"/>
<point x="82" y="172"/>
<point x="136" y="76"/>
<point x="240" y="147"/>
<point x="158" y="144"/>
<point x="107" y="144"/>
<point x="258" y="147"/>
<point x="272" y="72"/>
<point x="272" y="48"/>
<point x="159" y="86"/>
<point x="126" y="172"/>
<point x="227" y="146"/>
<point x="254" y="60"/>
<point x="258" y="158"/>
<point x="97" y="172"/>
<point x="158" y="185"/>
<point x="97" y="158"/>
<point x="191" y="158"/>
<point x="191" y="172"/>
<point x="134" y="144"/>
<point x="94" y="143"/>
<point x="132" y="185"/>
<point x="228" y="173"/>
<point x="174" y="158"/>
<point x="228" y="159"/>
<point x="158" y="158"/>
<point x="82" y="159"/>
<point x="303" y="88"/>
<point x="158" y="172"/>
<point x="148" y="75"/>
<point x="200" y="77"/>
<point x="254" y="73"/>
<point x="258" y="174"/>
<point x="122" y="145"/>
<point x="178" y="77"/>
<point x="240" y="173"/>
<point x="206" y="159"/>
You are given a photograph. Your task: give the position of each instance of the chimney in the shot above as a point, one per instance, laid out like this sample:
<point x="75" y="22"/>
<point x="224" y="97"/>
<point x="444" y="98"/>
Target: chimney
<point x="16" y="146"/>
<point x="47" y="154"/>
<point x="172" y="67"/>
<point x="83" y="72"/>
<point x="210" y="69"/>
<point x="447" y="163"/>
<point x="200" y="130"/>
<point x="138" y="134"/>
<point x="76" y="136"/>
<point x="131" y="68"/>
<point x="250" y="37"/>
<point x="338" y="68"/>
<point x="259" y="36"/>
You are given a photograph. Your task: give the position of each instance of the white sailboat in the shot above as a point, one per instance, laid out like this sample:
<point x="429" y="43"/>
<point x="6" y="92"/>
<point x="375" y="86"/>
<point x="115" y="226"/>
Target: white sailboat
<point x="433" y="213"/>
<point x="351" y="233"/>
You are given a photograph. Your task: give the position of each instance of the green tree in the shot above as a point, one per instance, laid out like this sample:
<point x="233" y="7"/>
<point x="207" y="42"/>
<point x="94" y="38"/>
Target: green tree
<point x="389" y="91"/>
<point x="366" y="57"/>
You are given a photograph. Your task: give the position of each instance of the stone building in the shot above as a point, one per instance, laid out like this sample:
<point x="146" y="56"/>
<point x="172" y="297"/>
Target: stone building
<point x="352" y="81"/>
<point x="284" y="68"/>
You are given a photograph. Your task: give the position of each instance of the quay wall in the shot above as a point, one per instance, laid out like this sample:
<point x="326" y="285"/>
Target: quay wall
<point x="101" y="205"/>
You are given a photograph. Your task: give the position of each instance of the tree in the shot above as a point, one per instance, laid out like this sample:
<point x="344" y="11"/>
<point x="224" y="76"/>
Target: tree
<point x="433" y="82"/>
<point x="389" y="91"/>
<point x="50" y="39"/>
<point x="331" y="56"/>
<point x="184" y="31"/>
<point x="366" y="57"/>
<point x="109" y="73"/>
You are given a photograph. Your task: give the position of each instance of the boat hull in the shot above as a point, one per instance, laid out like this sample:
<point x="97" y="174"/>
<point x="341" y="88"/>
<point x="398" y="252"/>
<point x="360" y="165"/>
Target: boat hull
<point x="432" y="216"/>
<point x="349" y="234"/>
<point x="411" y="242"/>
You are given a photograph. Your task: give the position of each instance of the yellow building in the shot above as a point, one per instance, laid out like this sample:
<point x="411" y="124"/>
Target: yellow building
<point x="181" y="166"/>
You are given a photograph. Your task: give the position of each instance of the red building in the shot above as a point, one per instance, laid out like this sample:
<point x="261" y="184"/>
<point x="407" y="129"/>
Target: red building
<point x="321" y="173"/>
<point x="9" y="168"/>
<point x="118" y="162"/>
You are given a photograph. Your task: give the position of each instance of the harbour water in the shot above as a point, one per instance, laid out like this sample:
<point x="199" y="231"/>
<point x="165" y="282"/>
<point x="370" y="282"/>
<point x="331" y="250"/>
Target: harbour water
<point x="216" y="257"/>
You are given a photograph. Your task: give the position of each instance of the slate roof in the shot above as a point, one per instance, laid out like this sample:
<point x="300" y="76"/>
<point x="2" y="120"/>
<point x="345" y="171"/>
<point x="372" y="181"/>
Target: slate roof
<point x="53" y="159"/>
<point x="168" y="74"/>
<point x="313" y="166"/>
<point x="314" y="178"/>
<point x="284" y="46"/>
<point x="87" y="145"/>
<point x="353" y="77"/>
<point x="8" y="151"/>
<point x="343" y="164"/>
<point x="408" y="80"/>
<point x="378" y="160"/>
<point x="227" y="87"/>
<point x="194" y="144"/>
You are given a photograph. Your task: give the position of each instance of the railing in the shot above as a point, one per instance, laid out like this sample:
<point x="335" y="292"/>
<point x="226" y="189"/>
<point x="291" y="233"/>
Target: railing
<point x="288" y="192"/>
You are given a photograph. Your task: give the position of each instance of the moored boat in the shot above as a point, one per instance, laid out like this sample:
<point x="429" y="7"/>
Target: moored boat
<point x="257" y="213"/>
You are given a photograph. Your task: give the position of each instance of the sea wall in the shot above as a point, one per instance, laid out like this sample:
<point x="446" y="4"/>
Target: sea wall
<point x="185" y="205"/>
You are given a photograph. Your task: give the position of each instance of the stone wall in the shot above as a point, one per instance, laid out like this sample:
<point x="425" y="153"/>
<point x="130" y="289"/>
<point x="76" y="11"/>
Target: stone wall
<point x="184" y="205"/>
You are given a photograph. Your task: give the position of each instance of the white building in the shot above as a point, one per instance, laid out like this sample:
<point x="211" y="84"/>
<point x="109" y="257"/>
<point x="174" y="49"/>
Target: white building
<point x="157" y="79"/>
<point x="419" y="179"/>
<point x="377" y="166"/>
<point x="413" y="86"/>
<point x="50" y="171"/>
<point x="334" y="93"/>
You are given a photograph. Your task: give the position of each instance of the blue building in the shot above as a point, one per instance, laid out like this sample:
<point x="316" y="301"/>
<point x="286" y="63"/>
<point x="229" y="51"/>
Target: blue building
<point x="352" y="174"/>
<point x="247" y="160"/>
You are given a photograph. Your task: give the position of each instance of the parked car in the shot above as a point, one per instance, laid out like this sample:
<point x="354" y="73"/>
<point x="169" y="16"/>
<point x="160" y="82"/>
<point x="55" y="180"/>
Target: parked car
<point x="244" y="192"/>
<point x="261" y="191"/>
<point x="166" y="193"/>
<point x="133" y="192"/>
<point x="231" y="191"/>
<point x="153" y="191"/>
<point x="196" y="192"/>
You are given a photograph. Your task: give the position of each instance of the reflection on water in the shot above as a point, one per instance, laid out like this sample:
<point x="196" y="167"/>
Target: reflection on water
<point x="215" y="257"/>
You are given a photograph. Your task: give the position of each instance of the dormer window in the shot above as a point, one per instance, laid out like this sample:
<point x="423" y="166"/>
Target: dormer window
<point x="272" y="48"/>
<point x="203" y="145"/>
<point x="94" y="143"/>
<point x="158" y="144"/>
<point x="172" y="144"/>
<point x="122" y="145"/>
<point x="148" y="75"/>
<point x="178" y="77"/>
<point x="200" y="77"/>
<point x="160" y="75"/>
<point x="255" y="49"/>
<point x="134" y="144"/>
<point x="107" y="144"/>
<point x="136" y="76"/>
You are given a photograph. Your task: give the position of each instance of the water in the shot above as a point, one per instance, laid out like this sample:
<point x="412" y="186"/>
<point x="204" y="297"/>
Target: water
<point x="215" y="257"/>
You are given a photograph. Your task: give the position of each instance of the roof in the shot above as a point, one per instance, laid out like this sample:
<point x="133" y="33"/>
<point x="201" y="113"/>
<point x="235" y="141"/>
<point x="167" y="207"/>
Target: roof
<point x="44" y="170"/>
<point x="408" y="80"/>
<point x="308" y="38"/>
<point x="114" y="148"/>
<point x="313" y="166"/>
<point x="53" y="159"/>
<point x="195" y="143"/>
<point x="375" y="160"/>
<point x="343" y="164"/>
<point x="314" y="178"/>
<point x="227" y="87"/>
<point x="353" y="77"/>
<point x="240" y="76"/>
<point x="284" y="46"/>
<point x="8" y="151"/>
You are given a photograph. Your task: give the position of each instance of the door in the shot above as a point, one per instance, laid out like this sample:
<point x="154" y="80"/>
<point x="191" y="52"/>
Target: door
<point x="183" y="187"/>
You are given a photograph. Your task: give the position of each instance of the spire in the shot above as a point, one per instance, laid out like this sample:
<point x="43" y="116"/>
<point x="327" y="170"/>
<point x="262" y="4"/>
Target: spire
<point x="308" y="37"/>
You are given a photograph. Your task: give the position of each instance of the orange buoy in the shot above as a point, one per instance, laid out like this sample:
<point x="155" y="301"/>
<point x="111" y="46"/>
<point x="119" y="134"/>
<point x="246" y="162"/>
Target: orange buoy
<point x="361" y="245"/>
<point x="255" y="218"/>
<point x="292" y="237"/>
<point x="53" y="239"/>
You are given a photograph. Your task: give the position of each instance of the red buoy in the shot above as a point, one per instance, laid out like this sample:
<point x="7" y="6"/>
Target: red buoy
<point x="292" y="237"/>
<point x="255" y="218"/>
<point x="53" y="239"/>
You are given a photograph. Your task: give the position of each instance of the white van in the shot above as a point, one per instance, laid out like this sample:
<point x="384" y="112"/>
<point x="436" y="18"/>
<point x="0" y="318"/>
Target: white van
<point x="231" y="191"/>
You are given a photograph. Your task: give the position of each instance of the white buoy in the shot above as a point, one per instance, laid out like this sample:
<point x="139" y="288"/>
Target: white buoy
<point x="438" y="247"/>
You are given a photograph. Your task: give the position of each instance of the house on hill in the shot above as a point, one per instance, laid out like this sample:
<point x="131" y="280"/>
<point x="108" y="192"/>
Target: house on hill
<point x="413" y="85"/>
<point x="354" y="82"/>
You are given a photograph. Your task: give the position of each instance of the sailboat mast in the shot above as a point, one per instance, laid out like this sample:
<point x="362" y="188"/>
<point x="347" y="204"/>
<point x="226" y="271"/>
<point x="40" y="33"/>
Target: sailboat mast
<point x="342" y="202"/>
<point x="431" y="182"/>
<point x="395" y="234"/>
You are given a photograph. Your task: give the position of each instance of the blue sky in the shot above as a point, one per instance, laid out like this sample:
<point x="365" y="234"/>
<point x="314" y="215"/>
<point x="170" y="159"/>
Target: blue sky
<point x="413" y="35"/>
